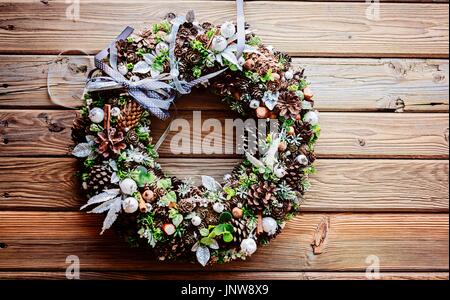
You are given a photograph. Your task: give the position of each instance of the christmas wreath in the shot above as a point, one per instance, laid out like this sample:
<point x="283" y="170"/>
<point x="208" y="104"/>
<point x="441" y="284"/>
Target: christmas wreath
<point x="139" y="75"/>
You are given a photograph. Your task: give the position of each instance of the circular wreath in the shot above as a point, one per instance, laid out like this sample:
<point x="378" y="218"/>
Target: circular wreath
<point x="212" y="222"/>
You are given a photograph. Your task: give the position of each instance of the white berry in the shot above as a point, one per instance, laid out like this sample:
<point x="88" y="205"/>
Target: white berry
<point x="161" y="47"/>
<point x="254" y="104"/>
<point x="128" y="186"/>
<point x="219" y="44"/>
<point x="270" y="225"/>
<point x="302" y="159"/>
<point x="115" y="111"/>
<point x="96" y="115"/>
<point x="280" y="172"/>
<point x="123" y="69"/>
<point x="289" y="75"/>
<point x="130" y="205"/>
<point x="218" y="207"/>
<point x="196" y="221"/>
<point x="312" y="118"/>
<point x="248" y="246"/>
<point x="227" y="30"/>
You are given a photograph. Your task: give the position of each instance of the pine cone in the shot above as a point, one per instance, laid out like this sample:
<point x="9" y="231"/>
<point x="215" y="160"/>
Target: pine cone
<point x="257" y="92"/>
<point x="110" y="143"/>
<point x="208" y="216"/>
<point x="186" y="206"/>
<point x="241" y="231"/>
<point x="304" y="130"/>
<point x="194" y="192"/>
<point x="130" y="116"/>
<point x="79" y="129"/>
<point x="132" y="138"/>
<point x="280" y="213"/>
<point x="294" y="175"/>
<point x="261" y="194"/>
<point x="192" y="57"/>
<point x="309" y="154"/>
<point x="181" y="246"/>
<point x="289" y="105"/>
<point x="99" y="179"/>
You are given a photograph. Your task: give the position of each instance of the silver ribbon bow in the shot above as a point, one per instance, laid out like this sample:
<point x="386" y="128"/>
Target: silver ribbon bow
<point x="155" y="95"/>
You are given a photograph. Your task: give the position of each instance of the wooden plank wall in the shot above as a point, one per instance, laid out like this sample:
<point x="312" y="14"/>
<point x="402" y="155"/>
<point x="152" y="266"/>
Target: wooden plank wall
<point x="382" y="184"/>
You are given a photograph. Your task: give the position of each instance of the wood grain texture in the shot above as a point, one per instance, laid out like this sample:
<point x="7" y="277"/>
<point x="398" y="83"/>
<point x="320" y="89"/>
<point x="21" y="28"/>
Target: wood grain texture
<point x="345" y="135"/>
<point x="400" y="85"/>
<point x="340" y="185"/>
<point x="222" y="276"/>
<point x="406" y="242"/>
<point x="325" y="29"/>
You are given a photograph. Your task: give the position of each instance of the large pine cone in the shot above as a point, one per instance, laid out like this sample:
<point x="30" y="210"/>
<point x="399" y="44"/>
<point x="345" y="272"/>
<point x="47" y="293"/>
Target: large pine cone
<point x="241" y="231"/>
<point x="289" y="105"/>
<point x="99" y="179"/>
<point x="261" y="194"/>
<point x="130" y="116"/>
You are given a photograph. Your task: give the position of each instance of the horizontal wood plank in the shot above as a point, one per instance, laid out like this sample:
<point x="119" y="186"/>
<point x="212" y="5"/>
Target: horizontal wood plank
<point x="300" y="28"/>
<point x="340" y="185"/>
<point x="400" y="85"/>
<point x="402" y="242"/>
<point x="345" y="135"/>
<point x="222" y="276"/>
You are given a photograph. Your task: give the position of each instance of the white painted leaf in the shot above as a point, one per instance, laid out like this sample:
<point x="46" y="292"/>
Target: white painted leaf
<point x="115" y="178"/>
<point x="82" y="150"/>
<point x="228" y="55"/>
<point x="112" y="163"/>
<point x="219" y="59"/>
<point x="102" y="197"/>
<point x="195" y="247"/>
<point x="90" y="139"/>
<point x="203" y="255"/>
<point x="214" y="245"/>
<point x="112" y="215"/>
<point x="149" y="58"/>
<point x="103" y="207"/>
<point x="154" y="73"/>
<point x="141" y="68"/>
<point x="210" y="184"/>
<point x="270" y="159"/>
<point x="256" y="162"/>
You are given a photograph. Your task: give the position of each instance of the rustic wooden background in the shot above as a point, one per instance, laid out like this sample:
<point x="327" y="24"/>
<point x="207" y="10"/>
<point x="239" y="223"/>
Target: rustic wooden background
<point x="382" y="183"/>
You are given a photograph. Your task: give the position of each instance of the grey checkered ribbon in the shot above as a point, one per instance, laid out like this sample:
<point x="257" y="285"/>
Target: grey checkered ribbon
<point x="155" y="95"/>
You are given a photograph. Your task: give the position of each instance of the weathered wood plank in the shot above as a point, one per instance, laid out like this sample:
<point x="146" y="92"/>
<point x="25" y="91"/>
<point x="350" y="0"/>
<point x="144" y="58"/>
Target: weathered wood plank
<point x="340" y="185"/>
<point x="47" y="132"/>
<point x="300" y="28"/>
<point x="407" y="85"/>
<point x="222" y="276"/>
<point x="402" y="242"/>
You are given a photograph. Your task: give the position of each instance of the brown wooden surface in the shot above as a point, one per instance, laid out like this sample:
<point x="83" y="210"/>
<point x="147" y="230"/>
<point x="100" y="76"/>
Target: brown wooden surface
<point x="324" y="28"/>
<point x="376" y="185"/>
<point x="47" y="132"/>
<point x="185" y="275"/>
<point x="382" y="182"/>
<point x="401" y="241"/>
<point x="395" y="85"/>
